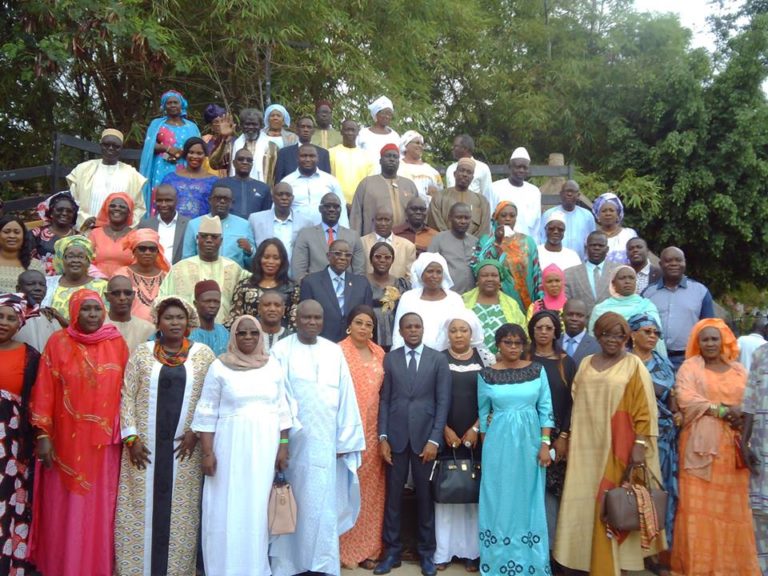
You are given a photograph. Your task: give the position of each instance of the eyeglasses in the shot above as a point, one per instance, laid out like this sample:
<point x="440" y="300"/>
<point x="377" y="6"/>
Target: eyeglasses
<point x="251" y="333"/>
<point x="385" y="257"/>
<point x="650" y="332"/>
<point x="122" y="292"/>
<point x="513" y="343"/>
<point x="340" y="254"/>
<point x="146" y="248"/>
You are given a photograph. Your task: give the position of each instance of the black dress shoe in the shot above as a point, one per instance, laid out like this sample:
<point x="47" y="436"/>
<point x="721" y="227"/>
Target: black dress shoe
<point x="385" y="566"/>
<point x="428" y="567"/>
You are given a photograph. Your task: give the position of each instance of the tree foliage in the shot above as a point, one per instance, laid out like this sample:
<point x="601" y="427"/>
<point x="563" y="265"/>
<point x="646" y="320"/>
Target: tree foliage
<point x="676" y="131"/>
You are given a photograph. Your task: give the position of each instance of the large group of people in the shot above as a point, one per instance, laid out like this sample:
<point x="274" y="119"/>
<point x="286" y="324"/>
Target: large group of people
<point x="322" y="305"/>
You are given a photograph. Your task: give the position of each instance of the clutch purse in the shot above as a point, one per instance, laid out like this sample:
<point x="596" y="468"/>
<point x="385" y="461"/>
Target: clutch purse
<point x="281" y="512"/>
<point x="620" y="510"/>
<point x="456" y="481"/>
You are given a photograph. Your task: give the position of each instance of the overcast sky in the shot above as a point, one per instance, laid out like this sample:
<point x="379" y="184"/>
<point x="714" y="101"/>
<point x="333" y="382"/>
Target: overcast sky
<point x="693" y="14"/>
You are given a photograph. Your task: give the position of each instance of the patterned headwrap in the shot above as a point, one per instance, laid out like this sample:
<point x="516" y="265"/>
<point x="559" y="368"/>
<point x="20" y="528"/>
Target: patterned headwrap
<point x="63" y="244"/>
<point x="421" y="263"/>
<point x="608" y="197"/>
<point x="729" y="346"/>
<point x="45" y="207"/>
<point x="193" y="320"/>
<point x="236" y="359"/>
<point x="180" y="356"/>
<point x="19" y="304"/>
<point x="272" y="107"/>
<point x="213" y="111"/>
<point x="639" y="321"/>
<point x="103" y="217"/>
<point x="142" y="235"/>
<point x="177" y="94"/>
<point x="500" y="206"/>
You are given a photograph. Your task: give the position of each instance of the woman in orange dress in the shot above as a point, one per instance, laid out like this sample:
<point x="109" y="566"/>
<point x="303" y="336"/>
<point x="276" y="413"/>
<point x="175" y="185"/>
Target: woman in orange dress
<point x="713" y="526"/>
<point x="76" y="410"/>
<point x="362" y="544"/>
<point x="113" y="224"/>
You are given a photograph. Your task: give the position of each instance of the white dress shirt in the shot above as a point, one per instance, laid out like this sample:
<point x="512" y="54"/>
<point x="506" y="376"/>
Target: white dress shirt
<point x="527" y="198"/>
<point x="309" y="190"/>
<point x="167" y="233"/>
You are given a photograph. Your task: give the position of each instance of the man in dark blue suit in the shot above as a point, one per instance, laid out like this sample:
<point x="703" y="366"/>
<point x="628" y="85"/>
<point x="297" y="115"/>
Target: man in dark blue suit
<point x="337" y="289"/>
<point x="288" y="157"/>
<point x="575" y="341"/>
<point x="413" y="409"/>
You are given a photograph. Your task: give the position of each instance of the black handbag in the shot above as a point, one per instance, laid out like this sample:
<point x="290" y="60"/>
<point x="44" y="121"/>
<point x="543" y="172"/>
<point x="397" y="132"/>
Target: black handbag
<point x="456" y="481"/>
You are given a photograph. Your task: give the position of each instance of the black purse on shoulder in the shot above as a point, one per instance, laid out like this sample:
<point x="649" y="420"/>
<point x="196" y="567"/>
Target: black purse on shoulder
<point x="456" y="481"/>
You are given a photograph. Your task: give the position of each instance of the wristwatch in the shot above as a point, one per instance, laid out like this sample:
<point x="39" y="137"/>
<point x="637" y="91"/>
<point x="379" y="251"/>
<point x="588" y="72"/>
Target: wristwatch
<point x="382" y="437"/>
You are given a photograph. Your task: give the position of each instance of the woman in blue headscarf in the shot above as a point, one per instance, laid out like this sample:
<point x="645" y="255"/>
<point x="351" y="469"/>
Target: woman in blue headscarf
<point x="164" y="142"/>
<point x="274" y="137"/>
<point x="646" y="332"/>
<point x="609" y="213"/>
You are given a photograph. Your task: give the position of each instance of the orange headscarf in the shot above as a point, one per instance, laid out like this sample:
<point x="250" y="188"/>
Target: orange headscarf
<point x="140" y="235"/>
<point x="500" y="206"/>
<point x="730" y="347"/>
<point x="102" y="219"/>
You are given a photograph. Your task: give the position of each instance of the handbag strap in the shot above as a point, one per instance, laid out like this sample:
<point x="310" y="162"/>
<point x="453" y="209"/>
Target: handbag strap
<point x="627" y="476"/>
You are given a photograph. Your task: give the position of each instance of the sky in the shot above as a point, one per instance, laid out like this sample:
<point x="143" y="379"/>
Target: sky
<point x="693" y="14"/>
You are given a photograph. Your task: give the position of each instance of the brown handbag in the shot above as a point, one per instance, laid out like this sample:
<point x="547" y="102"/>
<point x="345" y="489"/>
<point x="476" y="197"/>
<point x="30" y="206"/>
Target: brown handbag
<point x="281" y="512"/>
<point x="620" y="510"/>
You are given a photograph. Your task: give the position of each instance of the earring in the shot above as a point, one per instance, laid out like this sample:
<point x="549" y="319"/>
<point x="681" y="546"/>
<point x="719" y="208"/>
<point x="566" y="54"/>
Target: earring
<point x="348" y="331"/>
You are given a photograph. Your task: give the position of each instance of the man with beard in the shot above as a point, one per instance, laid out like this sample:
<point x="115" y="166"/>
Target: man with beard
<point x="522" y="194"/>
<point x="120" y="295"/>
<point x="415" y="228"/>
<point x="460" y="192"/>
<point x="552" y="250"/>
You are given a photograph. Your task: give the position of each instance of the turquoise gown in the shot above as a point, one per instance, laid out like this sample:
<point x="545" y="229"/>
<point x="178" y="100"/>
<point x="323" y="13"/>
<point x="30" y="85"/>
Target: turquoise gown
<point x="512" y="517"/>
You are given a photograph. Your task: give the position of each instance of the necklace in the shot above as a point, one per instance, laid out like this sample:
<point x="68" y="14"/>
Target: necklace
<point x="463" y="355"/>
<point x="147" y="287"/>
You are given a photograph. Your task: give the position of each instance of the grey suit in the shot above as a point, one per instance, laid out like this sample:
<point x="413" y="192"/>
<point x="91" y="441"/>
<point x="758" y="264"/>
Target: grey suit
<point x="412" y="411"/>
<point x="178" y="234"/>
<point x="586" y="347"/>
<point x="310" y="251"/>
<point x="577" y="284"/>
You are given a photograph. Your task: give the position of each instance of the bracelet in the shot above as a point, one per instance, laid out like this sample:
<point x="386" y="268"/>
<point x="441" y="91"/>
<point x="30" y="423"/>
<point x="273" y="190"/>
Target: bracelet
<point x="565" y="435"/>
<point x="545" y="437"/>
<point x="642" y="443"/>
<point x="475" y="429"/>
<point x="130" y="440"/>
<point x="41" y="436"/>
<point x="722" y="411"/>
<point x="284" y="440"/>
<point x="546" y="441"/>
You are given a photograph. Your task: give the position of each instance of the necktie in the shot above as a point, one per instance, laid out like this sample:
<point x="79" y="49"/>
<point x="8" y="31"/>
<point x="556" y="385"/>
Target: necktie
<point x="339" y="287"/>
<point x="412" y="366"/>
<point x="595" y="279"/>
<point x="330" y="236"/>
<point x="570" y="346"/>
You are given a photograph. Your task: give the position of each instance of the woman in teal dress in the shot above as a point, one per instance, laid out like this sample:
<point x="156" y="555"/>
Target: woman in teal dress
<point x="516" y="444"/>
<point x="165" y="140"/>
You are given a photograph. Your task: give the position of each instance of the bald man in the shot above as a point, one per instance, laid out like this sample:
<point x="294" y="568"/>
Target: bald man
<point x="681" y="302"/>
<point x="325" y="453"/>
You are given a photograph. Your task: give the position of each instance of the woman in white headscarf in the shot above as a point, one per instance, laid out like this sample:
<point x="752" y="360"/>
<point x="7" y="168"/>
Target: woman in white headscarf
<point x="427" y="179"/>
<point x="373" y="138"/>
<point x="456" y="525"/>
<point x="243" y="419"/>
<point x="431" y="298"/>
